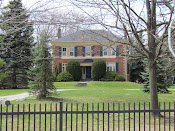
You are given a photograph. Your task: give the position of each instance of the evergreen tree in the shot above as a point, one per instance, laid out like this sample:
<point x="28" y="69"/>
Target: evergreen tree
<point x="2" y="75"/>
<point x="136" y="66"/>
<point x="55" y="73"/>
<point x="17" y="44"/>
<point x="162" y="77"/>
<point x="42" y="70"/>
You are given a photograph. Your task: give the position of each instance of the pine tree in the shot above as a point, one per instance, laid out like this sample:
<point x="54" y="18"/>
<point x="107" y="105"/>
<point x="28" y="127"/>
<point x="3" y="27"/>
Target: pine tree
<point x="2" y="75"/>
<point x="17" y="44"/>
<point x="42" y="70"/>
<point x="162" y="77"/>
<point x="55" y="73"/>
<point x="136" y="66"/>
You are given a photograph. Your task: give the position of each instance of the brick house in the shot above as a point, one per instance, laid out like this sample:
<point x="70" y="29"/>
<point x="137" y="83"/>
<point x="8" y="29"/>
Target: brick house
<point x="87" y="46"/>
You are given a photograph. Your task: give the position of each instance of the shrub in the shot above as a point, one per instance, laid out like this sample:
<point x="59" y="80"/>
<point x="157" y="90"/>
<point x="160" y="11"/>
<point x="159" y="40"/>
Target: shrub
<point x="55" y="73"/>
<point x="73" y="67"/>
<point x="120" y="78"/>
<point x="109" y="76"/>
<point x="98" y="69"/>
<point x="64" y="76"/>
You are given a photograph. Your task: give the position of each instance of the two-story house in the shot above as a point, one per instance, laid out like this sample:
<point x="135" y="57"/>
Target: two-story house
<point x="89" y="45"/>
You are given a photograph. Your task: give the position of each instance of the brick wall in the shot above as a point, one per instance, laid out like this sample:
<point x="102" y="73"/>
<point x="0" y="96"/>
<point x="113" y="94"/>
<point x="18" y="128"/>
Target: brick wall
<point x="97" y="50"/>
<point x="121" y="50"/>
<point x="56" y="50"/>
<point x="79" y="50"/>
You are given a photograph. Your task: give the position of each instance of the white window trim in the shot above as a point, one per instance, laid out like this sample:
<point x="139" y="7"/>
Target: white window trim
<point x="63" y="52"/>
<point x="113" y="49"/>
<point x="113" y="67"/>
<point x="71" y="51"/>
<point x="89" y="51"/>
<point x="64" y="67"/>
<point x="105" y="51"/>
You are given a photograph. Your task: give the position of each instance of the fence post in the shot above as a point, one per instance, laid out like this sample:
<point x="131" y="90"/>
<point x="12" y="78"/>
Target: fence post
<point x="1" y="118"/>
<point x="61" y="116"/>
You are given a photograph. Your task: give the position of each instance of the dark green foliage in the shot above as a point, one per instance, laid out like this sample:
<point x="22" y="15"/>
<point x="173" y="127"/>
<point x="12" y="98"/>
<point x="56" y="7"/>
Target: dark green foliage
<point x="55" y="73"/>
<point x="42" y="70"/>
<point x="73" y="67"/>
<point x="109" y="76"/>
<point x="162" y="77"/>
<point x="65" y="76"/>
<point x="98" y="69"/>
<point x="16" y="45"/>
<point x="2" y="75"/>
<point x="136" y="66"/>
<point x="120" y="78"/>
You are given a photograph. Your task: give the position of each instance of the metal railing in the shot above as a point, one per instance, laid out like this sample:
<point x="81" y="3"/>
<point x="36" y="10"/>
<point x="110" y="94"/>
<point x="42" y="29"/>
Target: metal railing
<point x="92" y="117"/>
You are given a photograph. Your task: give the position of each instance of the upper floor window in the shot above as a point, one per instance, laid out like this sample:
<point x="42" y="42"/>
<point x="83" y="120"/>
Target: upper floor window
<point x="64" y="51"/>
<point x="88" y="51"/>
<point x="112" y="51"/>
<point x="71" y="51"/>
<point x="105" y="50"/>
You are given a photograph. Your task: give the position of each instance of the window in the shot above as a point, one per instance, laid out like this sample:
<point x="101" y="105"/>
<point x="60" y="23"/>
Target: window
<point x="112" y="51"/>
<point x="105" y="50"/>
<point x="111" y="67"/>
<point x="63" y="67"/>
<point x="88" y="51"/>
<point x="71" y="51"/>
<point x="64" y="51"/>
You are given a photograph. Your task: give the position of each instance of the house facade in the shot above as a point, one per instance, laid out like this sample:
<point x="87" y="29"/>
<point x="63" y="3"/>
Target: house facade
<point x="88" y="46"/>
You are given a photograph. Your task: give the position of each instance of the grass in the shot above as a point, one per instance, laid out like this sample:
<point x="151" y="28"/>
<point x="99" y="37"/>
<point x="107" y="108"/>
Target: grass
<point x="94" y="92"/>
<point x="109" y="92"/>
<point x="6" y="92"/>
<point x="98" y="92"/>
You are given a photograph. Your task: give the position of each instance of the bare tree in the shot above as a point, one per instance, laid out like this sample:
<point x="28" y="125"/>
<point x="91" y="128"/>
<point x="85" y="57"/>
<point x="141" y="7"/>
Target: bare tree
<point x="46" y="15"/>
<point x="52" y="20"/>
<point x="172" y="25"/>
<point x="149" y="17"/>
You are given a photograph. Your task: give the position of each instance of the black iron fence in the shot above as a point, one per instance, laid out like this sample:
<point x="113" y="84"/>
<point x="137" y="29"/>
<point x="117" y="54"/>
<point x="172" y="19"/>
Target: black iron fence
<point x="87" y="117"/>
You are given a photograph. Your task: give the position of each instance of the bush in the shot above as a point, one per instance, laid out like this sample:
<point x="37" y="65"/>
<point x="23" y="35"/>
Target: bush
<point x="109" y="76"/>
<point x="55" y="73"/>
<point x="64" y="76"/>
<point x="98" y="69"/>
<point x="120" y="78"/>
<point x="73" y="67"/>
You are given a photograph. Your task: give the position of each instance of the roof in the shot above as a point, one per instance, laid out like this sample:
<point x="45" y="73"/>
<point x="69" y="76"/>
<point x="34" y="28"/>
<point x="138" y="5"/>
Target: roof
<point x="87" y="61"/>
<point x="88" y="35"/>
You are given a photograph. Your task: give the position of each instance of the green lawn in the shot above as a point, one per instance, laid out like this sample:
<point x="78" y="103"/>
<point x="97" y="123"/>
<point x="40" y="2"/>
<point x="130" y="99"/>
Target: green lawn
<point x="7" y="92"/>
<point x="99" y="92"/>
<point x="94" y="92"/>
<point x="109" y="92"/>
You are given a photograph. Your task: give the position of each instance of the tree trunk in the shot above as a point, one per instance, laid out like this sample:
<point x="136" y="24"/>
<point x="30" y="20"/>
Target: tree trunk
<point x="153" y="83"/>
<point x="152" y="45"/>
<point x="45" y="74"/>
<point x="14" y="81"/>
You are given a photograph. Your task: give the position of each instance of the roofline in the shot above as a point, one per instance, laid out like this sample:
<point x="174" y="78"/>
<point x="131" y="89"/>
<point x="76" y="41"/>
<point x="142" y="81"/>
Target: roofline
<point x="88" y="42"/>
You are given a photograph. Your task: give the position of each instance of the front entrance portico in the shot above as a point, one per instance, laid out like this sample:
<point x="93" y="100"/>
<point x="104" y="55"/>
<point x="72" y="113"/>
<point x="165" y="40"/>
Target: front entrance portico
<point x="86" y="68"/>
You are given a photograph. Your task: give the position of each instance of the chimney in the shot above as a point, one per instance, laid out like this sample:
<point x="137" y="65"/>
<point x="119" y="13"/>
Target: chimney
<point x="59" y="32"/>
